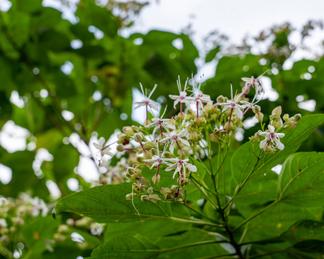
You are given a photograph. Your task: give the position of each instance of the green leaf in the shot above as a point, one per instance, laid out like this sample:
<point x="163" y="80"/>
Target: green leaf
<point x="277" y="220"/>
<point x="153" y="230"/>
<point x="18" y="26"/>
<point x="109" y="204"/>
<point x="37" y="233"/>
<point x="303" y="230"/>
<point x="23" y="176"/>
<point x="194" y="243"/>
<point x="248" y="160"/>
<point x="311" y="246"/>
<point x="66" y="158"/>
<point x="302" y="180"/>
<point x="212" y="54"/>
<point x="126" y="247"/>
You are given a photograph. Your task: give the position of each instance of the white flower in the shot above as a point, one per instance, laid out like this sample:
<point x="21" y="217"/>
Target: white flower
<point x="272" y="139"/>
<point x="198" y="97"/>
<point x="253" y="82"/>
<point x="161" y="124"/>
<point x="102" y="147"/>
<point x="182" y="97"/>
<point x="96" y="229"/>
<point x="146" y="101"/>
<point x="180" y="166"/>
<point x="176" y="139"/>
<point x="235" y="107"/>
<point x="156" y="161"/>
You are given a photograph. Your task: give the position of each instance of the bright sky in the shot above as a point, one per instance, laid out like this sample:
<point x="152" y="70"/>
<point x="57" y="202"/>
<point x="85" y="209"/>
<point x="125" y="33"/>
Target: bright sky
<point x="235" y="18"/>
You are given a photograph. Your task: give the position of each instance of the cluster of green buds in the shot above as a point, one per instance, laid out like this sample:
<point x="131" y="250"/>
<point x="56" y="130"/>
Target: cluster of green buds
<point x="16" y="213"/>
<point x="270" y="138"/>
<point x="170" y="146"/>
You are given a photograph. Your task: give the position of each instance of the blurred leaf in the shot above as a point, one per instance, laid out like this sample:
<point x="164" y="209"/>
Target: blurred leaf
<point x="212" y="54"/>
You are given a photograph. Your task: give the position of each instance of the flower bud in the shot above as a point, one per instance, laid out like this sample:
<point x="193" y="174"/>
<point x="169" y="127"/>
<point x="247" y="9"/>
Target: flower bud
<point x="70" y="222"/>
<point x="256" y="108"/>
<point x="259" y="116"/>
<point x="59" y="237"/>
<point x="63" y="228"/>
<point x="128" y="131"/>
<point x="276" y="112"/>
<point x="221" y="99"/>
<point x="120" y="148"/>
<point x="83" y="222"/>
<point x="297" y="117"/>
<point x="130" y="196"/>
<point x="156" y="178"/>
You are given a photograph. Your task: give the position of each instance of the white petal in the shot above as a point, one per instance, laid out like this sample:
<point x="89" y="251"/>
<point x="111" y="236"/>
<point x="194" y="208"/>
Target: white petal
<point x="192" y="168"/>
<point x="173" y="97"/>
<point x="175" y="103"/>
<point x="279" y="145"/>
<point x="246" y="79"/>
<point x="171" y="147"/>
<point x="280" y="135"/>
<point x="185" y="142"/>
<point x="263" y="144"/>
<point x="239" y="113"/>
<point x="98" y="146"/>
<point x="271" y="128"/>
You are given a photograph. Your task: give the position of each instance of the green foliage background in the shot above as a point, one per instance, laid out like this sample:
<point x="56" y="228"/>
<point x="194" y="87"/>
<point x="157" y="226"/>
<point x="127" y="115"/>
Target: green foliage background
<point x="35" y="41"/>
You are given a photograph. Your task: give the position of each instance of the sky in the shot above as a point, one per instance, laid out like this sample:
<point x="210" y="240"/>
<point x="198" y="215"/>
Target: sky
<point x="235" y="18"/>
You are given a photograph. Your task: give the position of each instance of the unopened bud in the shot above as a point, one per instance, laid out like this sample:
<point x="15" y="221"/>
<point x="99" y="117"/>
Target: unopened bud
<point x="156" y="178"/>
<point x="128" y="131"/>
<point x="120" y="148"/>
<point x="259" y="116"/>
<point x="221" y="99"/>
<point x="276" y="112"/>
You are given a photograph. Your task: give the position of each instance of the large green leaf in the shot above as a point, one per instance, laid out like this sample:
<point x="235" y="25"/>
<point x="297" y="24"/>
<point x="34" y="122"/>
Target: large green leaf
<point x="126" y="247"/>
<point x="249" y="160"/>
<point x="108" y="204"/>
<point x="299" y="197"/>
<point x="193" y="243"/>
<point x="302" y="180"/>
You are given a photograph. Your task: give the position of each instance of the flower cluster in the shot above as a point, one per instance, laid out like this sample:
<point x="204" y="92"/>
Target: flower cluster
<point x="16" y="213"/>
<point x="270" y="138"/>
<point x="167" y="148"/>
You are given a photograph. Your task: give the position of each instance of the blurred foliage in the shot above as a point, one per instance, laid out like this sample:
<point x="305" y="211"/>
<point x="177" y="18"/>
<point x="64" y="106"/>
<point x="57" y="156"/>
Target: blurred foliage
<point x="88" y="68"/>
<point x="57" y="66"/>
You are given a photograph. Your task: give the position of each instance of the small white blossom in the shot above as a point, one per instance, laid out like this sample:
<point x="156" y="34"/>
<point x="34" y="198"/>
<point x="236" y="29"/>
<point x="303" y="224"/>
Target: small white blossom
<point x="96" y="229"/>
<point x="177" y="138"/>
<point x="161" y="124"/>
<point x="272" y="139"/>
<point x="182" y="97"/>
<point x="102" y="147"/>
<point x="180" y="166"/>
<point x="235" y="107"/>
<point x="198" y="98"/>
<point x="251" y="82"/>
<point x="156" y="161"/>
<point x="146" y="101"/>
